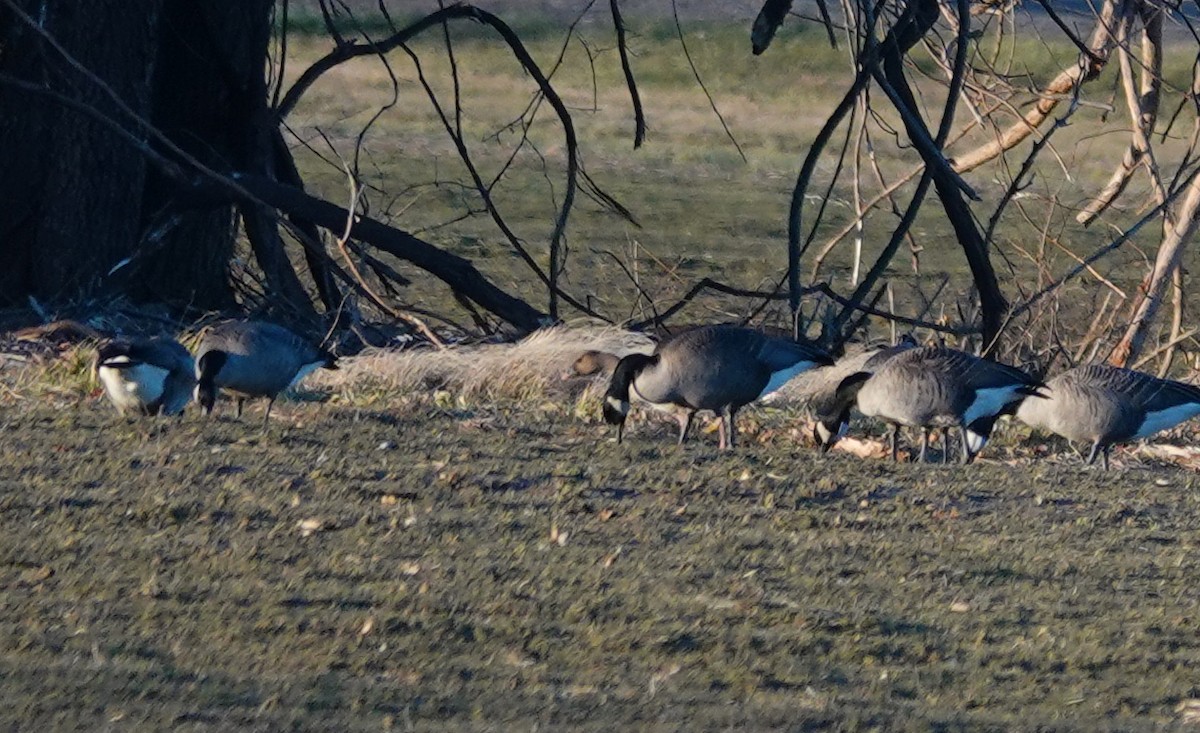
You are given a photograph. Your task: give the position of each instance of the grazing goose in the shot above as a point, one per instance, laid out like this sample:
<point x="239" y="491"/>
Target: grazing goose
<point x="717" y="368"/>
<point x="253" y="359"/>
<point x="1102" y="405"/>
<point x="594" y="362"/>
<point x="833" y="415"/>
<point x="936" y="387"/>
<point x="147" y="376"/>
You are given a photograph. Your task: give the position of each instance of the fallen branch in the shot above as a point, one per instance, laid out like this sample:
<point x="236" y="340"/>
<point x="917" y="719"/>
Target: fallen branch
<point x="458" y="273"/>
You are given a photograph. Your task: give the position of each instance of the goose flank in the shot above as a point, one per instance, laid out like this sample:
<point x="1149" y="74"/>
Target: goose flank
<point x="1100" y="405"/>
<point x="715" y="368"/>
<point x="146" y="376"/>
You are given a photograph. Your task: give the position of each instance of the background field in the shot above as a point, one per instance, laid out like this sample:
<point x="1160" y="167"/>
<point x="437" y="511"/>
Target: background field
<point x="437" y="560"/>
<point x="703" y="211"/>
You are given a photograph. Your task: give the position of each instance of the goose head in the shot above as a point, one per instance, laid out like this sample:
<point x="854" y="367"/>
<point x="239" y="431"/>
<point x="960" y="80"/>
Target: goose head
<point x="833" y="423"/>
<point x="594" y="362"/>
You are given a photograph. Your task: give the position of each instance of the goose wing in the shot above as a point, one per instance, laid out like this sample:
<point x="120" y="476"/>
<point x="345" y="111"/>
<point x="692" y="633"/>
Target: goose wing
<point x="779" y="355"/>
<point x="1147" y="392"/>
<point x="881" y="357"/>
<point x="972" y="371"/>
<point x="166" y="353"/>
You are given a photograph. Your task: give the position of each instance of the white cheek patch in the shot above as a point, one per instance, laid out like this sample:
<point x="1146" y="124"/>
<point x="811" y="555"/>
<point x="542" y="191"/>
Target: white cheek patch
<point x="131" y="386"/>
<point x="620" y="406"/>
<point x="828" y="436"/>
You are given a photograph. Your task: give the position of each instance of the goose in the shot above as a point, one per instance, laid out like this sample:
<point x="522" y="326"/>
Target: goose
<point x="147" y="376"/>
<point x="1102" y="405"/>
<point x="938" y="387"/>
<point x="717" y="368"/>
<point x="253" y="359"/>
<point x="833" y="415"/>
<point x="594" y="362"/>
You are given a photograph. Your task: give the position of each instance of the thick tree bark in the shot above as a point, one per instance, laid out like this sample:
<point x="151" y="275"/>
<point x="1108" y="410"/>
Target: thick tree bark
<point x="71" y="191"/>
<point x="82" y="215"/>
<point x="205" y="66"/>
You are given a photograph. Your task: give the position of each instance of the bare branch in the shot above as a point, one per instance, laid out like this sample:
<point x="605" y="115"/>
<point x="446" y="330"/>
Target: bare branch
<point x="1088" y="68"/>
<point x="639" y="116"/>
<point x="1143" y="111"/>
<point x="696" y="74"/>
<point x="767" y="23"/>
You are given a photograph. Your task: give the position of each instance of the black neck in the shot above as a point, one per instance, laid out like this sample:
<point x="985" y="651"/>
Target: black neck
<point x="844" y="398"/>
<point x="626" y="371"/>
<point x="208" y="366"/>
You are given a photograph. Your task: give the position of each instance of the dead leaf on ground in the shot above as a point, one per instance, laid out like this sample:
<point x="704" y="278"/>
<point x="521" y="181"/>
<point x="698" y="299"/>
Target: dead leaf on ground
<point x="309" y="527"/>
<point x="862" y="448"/>
<point x="1184" y="456"/>
<point x="36" y="575"/>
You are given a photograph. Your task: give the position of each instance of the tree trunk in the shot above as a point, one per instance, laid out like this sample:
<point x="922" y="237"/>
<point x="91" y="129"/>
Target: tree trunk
<point x="71" y="191"/>
<point x="205" y="65"/>
<point x="83" y="215"/>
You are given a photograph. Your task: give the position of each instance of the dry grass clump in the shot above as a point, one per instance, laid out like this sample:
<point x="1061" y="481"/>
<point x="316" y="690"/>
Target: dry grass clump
<point x="532" y="368"/>
<point x="66" y="376"/>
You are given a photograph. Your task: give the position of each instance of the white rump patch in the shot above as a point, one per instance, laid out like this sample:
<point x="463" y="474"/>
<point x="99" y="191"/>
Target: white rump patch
<point x="117" y="361"/>
<point x="783" y="376"/>
<point x="975" y="441"/>
<point x="305" y="371"/>
<point x="990" y="402"/>
<point x="620" y="406"/>
<point x="1169" y="418"/>
<point x="135" y="386"/>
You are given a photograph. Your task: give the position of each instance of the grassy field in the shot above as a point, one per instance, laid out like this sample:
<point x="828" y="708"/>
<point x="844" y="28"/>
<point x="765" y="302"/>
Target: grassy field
<point x="500" y="569"/>
<point x="455" y="557"/>
<point x="703" y="210"/>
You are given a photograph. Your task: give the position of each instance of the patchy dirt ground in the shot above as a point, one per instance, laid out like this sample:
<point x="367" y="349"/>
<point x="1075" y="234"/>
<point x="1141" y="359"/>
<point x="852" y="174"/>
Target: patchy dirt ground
<point x="441" y="570"/>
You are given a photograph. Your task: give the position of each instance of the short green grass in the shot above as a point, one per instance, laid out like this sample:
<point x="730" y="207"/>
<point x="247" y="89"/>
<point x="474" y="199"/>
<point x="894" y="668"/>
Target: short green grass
<point x="500" y="569"/>
<point x="448" y="561"/>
